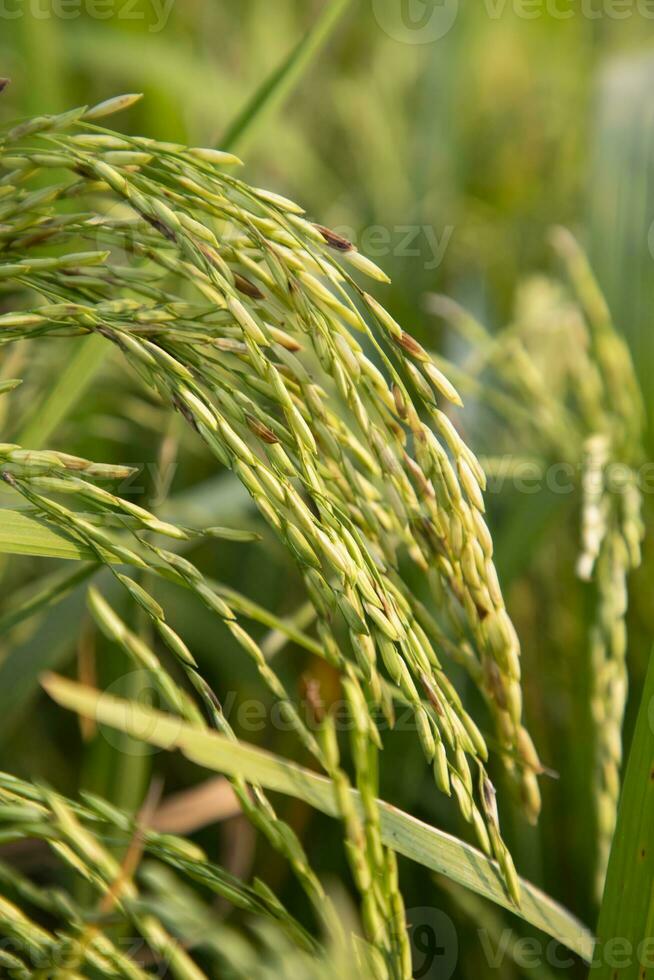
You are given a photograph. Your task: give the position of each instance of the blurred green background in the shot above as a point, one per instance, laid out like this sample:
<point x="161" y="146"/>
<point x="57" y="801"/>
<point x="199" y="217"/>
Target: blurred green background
<point x="521" y="114"/>
<point x="447" y="160"/>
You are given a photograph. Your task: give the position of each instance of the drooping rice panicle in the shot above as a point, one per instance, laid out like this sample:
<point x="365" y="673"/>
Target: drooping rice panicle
<point x="586" y="411"/>
<point x="615" y="541"/>
<point x="263" y="817"/>
<point x="77" y="835"/>
<point x="245" y="317"/>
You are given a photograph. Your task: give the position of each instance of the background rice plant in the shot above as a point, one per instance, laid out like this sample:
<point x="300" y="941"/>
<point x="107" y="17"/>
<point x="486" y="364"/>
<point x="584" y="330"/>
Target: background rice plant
<point x="447" y="163"/>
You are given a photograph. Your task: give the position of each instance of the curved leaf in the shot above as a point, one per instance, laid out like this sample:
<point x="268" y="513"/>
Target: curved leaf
<point x="405" y="834"/>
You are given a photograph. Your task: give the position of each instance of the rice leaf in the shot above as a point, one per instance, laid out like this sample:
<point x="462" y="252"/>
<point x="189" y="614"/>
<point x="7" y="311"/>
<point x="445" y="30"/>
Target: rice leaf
<point x="275" y="89"/>
<point x="405" y="834"/>
<point x="21" y="534"/>
<point x="627" y="908"/>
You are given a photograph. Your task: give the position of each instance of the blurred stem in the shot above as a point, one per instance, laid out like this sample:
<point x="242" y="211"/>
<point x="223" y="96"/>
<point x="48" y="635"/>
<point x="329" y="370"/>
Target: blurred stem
<point x="64" y="395"/>
<point x="277" y="87"/>
<point x="275" y="641"/>
<point x="42" y="51"/>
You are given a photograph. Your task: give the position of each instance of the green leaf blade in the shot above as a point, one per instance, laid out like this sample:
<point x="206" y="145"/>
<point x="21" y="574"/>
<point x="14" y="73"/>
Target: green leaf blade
<point x="407" y="835"/>
<point x="627" y="912"/>
<point x="279" y="84"/>
<point x="66" y="392"/>
<point x="21" y="534"/>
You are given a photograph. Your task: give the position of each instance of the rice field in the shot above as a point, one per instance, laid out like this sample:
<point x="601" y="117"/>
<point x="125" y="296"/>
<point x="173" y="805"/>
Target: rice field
<point x="325" y="497"/>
